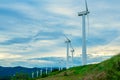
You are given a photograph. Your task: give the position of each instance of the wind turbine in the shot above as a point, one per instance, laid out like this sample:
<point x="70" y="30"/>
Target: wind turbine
<point x="84" y="52"/>
<point x="37" y="73"/>
<point x="72" y="51"/>
<point x="46" y="70"/>
<point x="51" y="68"/>
<point x="41" y="72"/>
<point x="62" y="63"/>
<point x="32" y="74"/>
<point x="68" y="45"/>
<point x="59" y="65"/>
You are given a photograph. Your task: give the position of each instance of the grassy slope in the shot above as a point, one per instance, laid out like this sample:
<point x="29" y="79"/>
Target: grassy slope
<point x="106" y="70"/>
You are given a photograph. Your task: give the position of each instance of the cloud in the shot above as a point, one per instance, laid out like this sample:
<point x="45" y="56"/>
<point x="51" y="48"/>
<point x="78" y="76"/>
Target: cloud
<point x="16" y="41"/>
<point x="60" y="10"/>
<point x="26" y="10"/>
<point x="3" y="38"/>
<point x="8" y="56"/>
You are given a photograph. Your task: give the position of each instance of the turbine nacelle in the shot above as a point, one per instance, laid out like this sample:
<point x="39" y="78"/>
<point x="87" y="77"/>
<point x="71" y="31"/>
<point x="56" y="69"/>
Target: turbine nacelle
<point x="83" y="13"/>
<point x="68" y="41"/>
<point x="72" y="50"/>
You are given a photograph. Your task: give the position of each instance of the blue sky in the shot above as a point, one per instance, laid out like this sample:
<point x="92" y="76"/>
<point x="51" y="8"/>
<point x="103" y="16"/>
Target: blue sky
<point x="32" y="29"/>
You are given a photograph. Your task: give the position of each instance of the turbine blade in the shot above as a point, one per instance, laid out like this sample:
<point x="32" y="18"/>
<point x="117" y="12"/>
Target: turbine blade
<point x="86" y="5"/>
<point x="66" y="37"/>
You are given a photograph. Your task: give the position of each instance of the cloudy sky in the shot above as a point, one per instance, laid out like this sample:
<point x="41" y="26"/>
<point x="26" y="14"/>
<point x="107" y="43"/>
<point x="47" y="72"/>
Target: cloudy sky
<point x="31" y="29"/>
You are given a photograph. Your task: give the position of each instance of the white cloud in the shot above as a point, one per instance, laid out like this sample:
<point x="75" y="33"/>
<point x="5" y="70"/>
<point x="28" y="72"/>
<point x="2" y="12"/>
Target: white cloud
<point x="110" y="49"/>
<point x="8" y="56"/>
<point x="25" y="9"/>
<point x="3" y="38"/>
<point x="59" y="10"/>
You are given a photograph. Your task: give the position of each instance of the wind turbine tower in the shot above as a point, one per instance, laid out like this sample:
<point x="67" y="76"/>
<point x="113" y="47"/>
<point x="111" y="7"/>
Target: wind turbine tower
<point x="84" y="51"/>
<point x="32" y="74"/>
<point x="37" y="73"/>
<point x="51" y="68"/>
<point x="46" y="70"/>
<point x="41" y="72"/>
<point x="72" y="51"/>
<point x="68" y="45"/>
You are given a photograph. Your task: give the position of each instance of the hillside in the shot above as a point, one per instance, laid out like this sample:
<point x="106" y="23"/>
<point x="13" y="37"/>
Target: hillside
<point x="10" y="71"/>
<point x="106" y="70"/>
<point x="7" y="72"/>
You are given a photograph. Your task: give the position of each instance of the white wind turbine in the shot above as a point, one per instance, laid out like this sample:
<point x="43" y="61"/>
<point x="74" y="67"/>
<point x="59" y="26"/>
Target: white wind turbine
<point x="72" y="52"/>
<point x="41" y="72"/>
<point x="32" y="74"/>
<point x="37" y="73"/>
<point x="46" y="70"/>
<point x="68" y="45"/>
<point x="84" y="52"/>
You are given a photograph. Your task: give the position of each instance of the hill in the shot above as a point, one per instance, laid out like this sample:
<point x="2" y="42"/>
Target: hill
<point x="106" y="70"/>
<point x="7" y="72"/>
<point x="10" y="71"/>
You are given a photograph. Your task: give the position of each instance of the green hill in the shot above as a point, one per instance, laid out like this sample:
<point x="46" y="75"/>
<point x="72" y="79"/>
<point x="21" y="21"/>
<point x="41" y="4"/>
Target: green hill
<point x="106" y="70"/>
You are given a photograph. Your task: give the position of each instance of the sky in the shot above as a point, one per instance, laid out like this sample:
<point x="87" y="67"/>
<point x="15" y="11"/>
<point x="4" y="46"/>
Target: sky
<point x="33" y="30"/>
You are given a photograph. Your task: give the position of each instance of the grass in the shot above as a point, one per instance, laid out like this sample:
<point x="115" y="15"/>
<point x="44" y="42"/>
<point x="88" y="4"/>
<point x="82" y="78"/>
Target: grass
<point x="106" y="70"/>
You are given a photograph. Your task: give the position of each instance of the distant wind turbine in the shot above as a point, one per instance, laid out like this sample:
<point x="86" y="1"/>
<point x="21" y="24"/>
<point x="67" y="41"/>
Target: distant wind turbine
<point x="41" y="72"/>
<point x="46" y="70"/>
<point x="51" y="68"/>
<point x="84" y="52"/>
<point x="32" y="74"/>
<point x="68" y="45"/>
<point x="72" y="52"/>
<point x="37" y="73"/>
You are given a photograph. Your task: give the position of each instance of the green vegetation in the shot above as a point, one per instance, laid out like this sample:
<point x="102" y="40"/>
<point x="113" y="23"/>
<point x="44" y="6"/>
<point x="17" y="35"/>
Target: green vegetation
<point x="106" y="70"/>
<point x="21" y="76"/>
<point x="5" y="78"/>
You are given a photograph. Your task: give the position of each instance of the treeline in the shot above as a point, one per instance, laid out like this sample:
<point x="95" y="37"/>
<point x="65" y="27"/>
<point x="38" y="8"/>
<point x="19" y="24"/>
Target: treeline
<point x="28" y="76"/>
<point x="5" y="78"/>
<point x="24" y="76"/>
